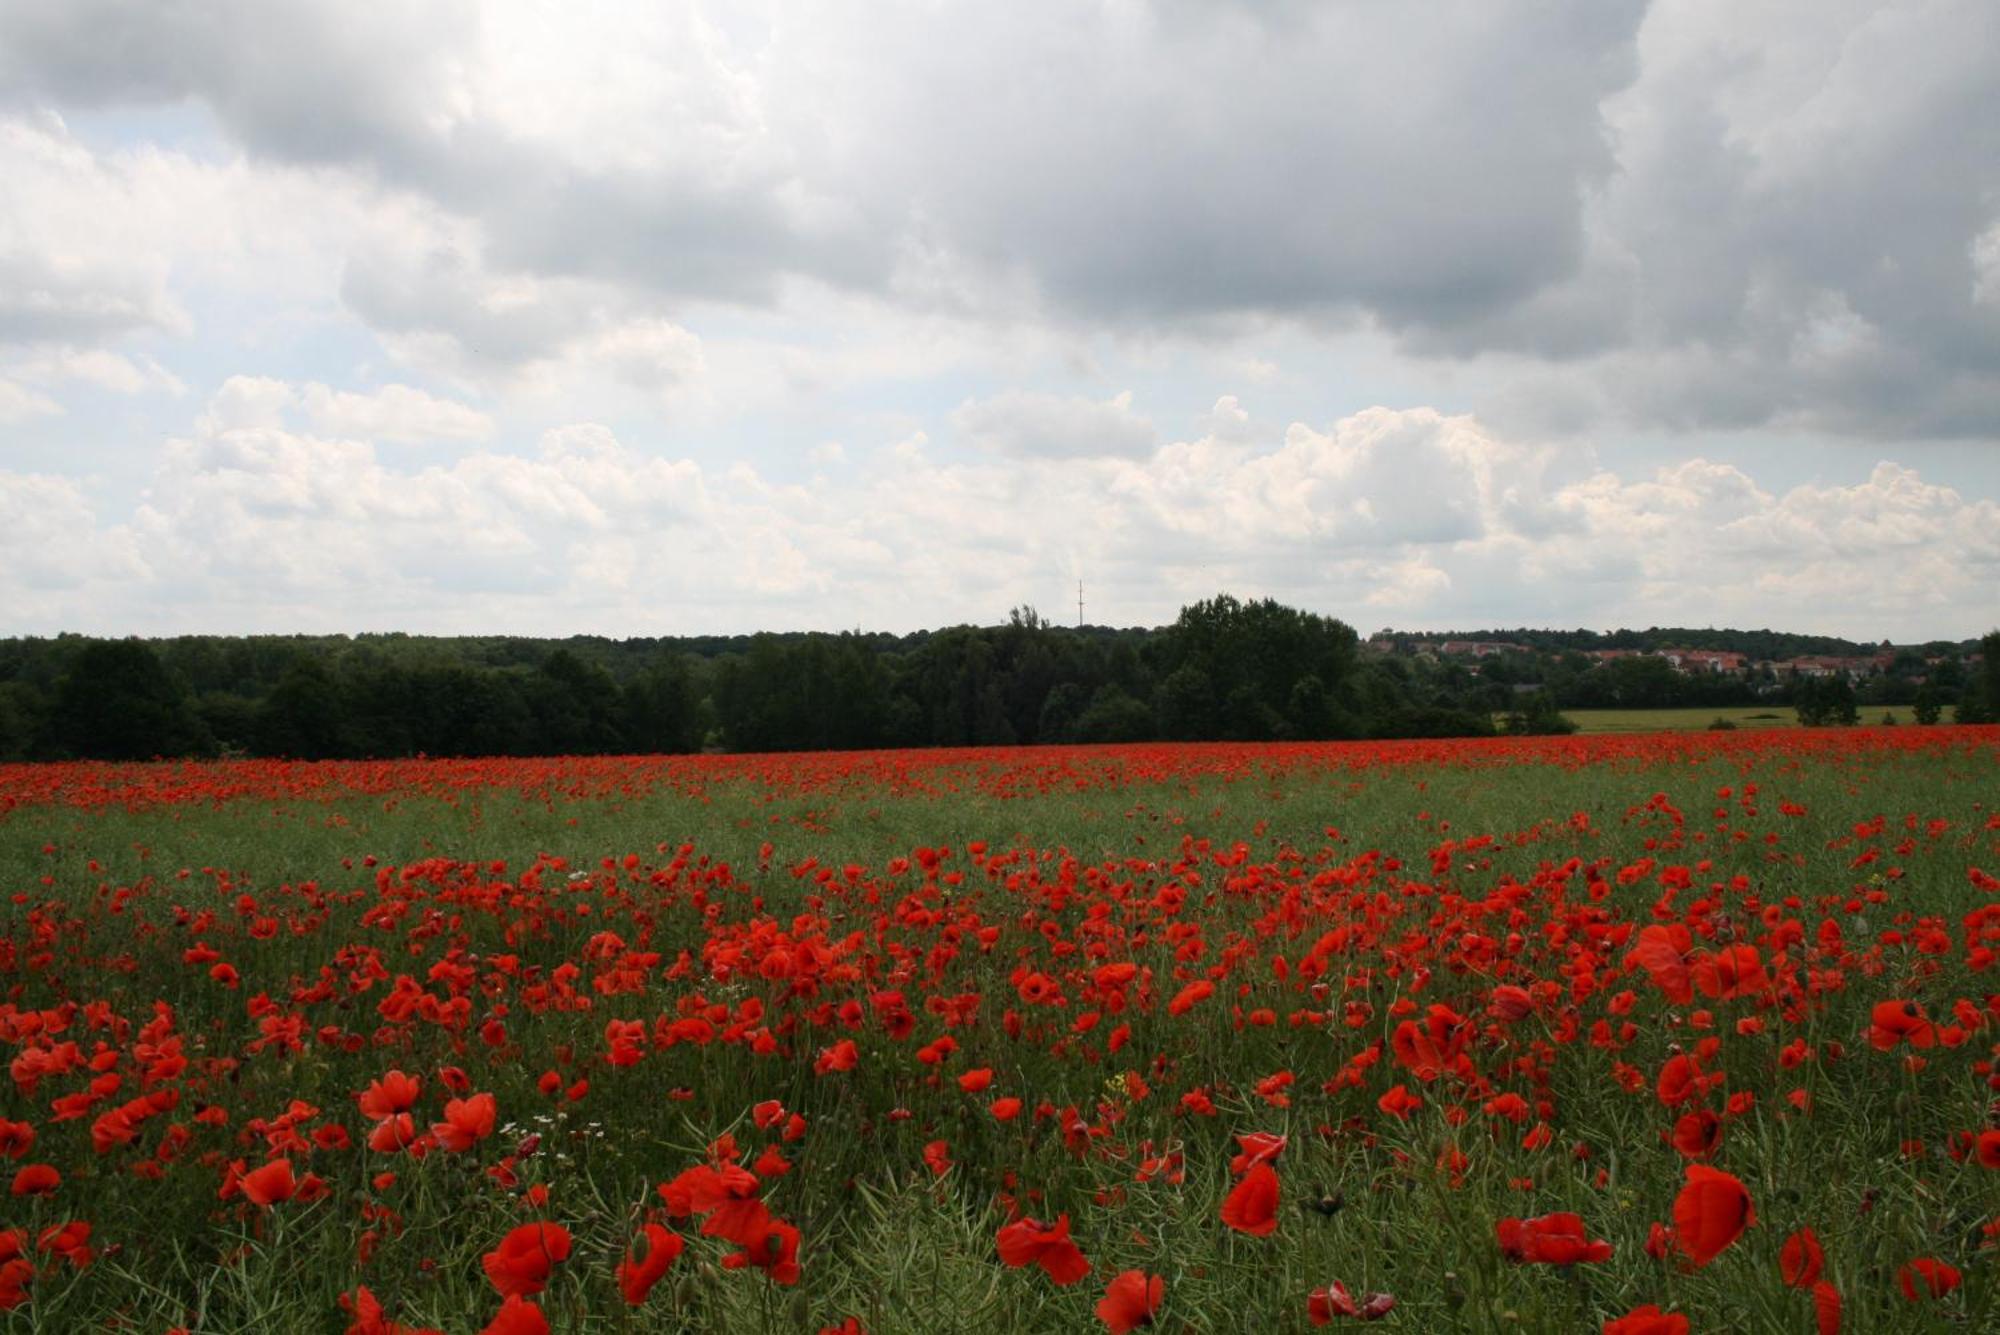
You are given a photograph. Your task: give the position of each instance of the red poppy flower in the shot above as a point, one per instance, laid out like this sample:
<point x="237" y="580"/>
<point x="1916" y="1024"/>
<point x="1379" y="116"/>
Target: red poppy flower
<point x="1661" y="952"/>
<point x="937" y="1155"/>
<point x="741" y="1220"/>
<point x="1826" y="1308"/>
<point x="392" y="1135"/>
<point x="842" y="1056"/>
<point x="466" y="1122"/>
<point x="520" y="1265"/>
<point x="775" y="1251"/>
<point x="70" y="1241"/>
<point x="270" y="1184"/>
<point x="1801" y="1259"/>
<point x="1252" y="1205"/>
<point x="16" y="1139"/>
<point x="1927" y="1276"/>
<point x="1697" y="1134"/>
<point x="1428" y="1048"/>
<point x="370" y="1318"/>
<point x="1681" y="1076"/>
<point x="15" y="1273"/>
<point x="1509" y="1003"/>
<point x="1130" y="1301"/>
<point x="37" y="1179"/>
<point x="1710" y="1213"/>
<point x="1550" y="1239"/>
<point x="625" y="1042"/>
<point x="704" y="1189"/>
<point x="1399" y="1102"/>
<point x="1733" y="971"/>
<point x="1030" y="1242"/>
<point x="1323" y="1305"/>
<point x="1891" y="1022"/>
<point x="1257" y="1147"/>
<point x="393" y="1093"/>
<point x="636" y="1276"/>
<point x="517" y="1316"/>
<point x="1647" y="1320"/>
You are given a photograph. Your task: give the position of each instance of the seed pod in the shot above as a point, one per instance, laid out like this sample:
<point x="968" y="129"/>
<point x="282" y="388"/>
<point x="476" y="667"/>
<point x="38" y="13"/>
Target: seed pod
<point x="1326" y="1203"/>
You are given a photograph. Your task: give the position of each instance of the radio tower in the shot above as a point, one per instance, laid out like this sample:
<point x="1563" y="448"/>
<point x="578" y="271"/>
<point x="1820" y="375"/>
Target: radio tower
<point x="1079" y="604"/>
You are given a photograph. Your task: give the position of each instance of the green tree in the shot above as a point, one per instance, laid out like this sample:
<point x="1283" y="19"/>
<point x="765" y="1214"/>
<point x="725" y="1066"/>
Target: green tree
<point x="1114" y="716"/>
<point x="662" y="709"/>
<point x="1061" y="708"/>
<point x="1825" y="701"/>
<point x="1642" y="683"/>
<point x="231" y="719"/>
<point x="1980" y="701"/>
<point x="575" y="705"/>
<point x="465" y="711"/>
<point x="812" y="692"/>
<point x="1537" y="714"/>
<point x="117" y="702"/>
<point x="1233" y="670"/>
<point x="1430" y="721"/>
<point x="1186" y="704"/>
<point x="956" y="679"/>
<point x="304" y="716"/>
<point x="21" y="710"/>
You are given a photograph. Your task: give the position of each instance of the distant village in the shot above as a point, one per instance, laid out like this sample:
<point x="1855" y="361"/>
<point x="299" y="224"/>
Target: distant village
<point x="1659" y="668"/>
<point x="1718" y="662"/>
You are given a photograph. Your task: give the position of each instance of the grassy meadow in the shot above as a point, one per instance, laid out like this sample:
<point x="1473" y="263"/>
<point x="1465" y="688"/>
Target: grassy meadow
<point x="1743" y="716"/>
<point x="895" y="1042"/>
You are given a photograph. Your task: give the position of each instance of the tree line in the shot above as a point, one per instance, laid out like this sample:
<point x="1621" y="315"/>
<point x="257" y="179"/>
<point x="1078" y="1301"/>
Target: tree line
<point x="1223" y="670"/>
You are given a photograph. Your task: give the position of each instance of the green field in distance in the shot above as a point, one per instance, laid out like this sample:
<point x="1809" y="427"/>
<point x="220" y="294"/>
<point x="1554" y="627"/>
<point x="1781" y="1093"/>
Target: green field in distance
<point x="1743" y="716"/>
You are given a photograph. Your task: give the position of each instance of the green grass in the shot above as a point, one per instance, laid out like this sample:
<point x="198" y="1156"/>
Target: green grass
<point x="1693" y="720"/>
<point x="1492" y="867"/>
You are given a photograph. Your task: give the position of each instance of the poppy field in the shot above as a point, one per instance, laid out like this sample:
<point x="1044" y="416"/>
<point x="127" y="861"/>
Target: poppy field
<point x="1634" y="1033"/>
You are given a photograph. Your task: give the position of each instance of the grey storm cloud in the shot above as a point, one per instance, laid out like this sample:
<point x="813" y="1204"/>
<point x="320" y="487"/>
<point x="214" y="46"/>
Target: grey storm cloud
<point x="314" y="82"/>
<point x="1687" y="213"/>
<point x="1422" y="164"/>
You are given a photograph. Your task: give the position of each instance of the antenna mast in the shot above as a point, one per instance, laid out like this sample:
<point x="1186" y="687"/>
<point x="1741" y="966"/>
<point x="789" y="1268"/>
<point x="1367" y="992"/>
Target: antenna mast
<point x="1079" y="604"/>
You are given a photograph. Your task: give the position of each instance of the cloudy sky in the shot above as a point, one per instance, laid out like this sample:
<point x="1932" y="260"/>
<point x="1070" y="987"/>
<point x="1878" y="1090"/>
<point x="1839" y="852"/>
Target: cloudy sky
<point x="661" y="318"/>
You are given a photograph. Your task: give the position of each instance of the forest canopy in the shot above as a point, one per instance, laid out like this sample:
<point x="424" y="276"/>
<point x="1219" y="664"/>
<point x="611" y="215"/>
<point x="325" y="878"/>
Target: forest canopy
<point x="1225" y="669"/>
